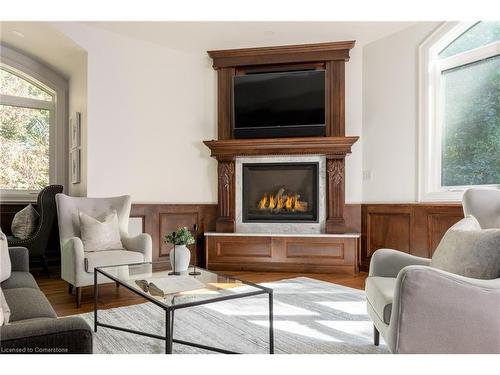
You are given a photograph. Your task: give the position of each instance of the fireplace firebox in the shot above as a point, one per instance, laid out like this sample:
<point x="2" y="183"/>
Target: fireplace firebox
<point x="280" y="192"/>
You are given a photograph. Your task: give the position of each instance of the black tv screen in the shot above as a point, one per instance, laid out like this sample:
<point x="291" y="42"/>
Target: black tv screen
<point x="282" y="99"/>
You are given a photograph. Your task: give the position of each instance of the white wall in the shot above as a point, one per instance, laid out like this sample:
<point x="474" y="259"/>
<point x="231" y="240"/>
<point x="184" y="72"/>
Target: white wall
<point x="390" y="118"/>
<point x="77" y="102"/>
<point x="148" y="110"/>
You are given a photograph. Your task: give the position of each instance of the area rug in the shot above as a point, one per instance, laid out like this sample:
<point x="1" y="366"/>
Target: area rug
<point x="310" y="317"/>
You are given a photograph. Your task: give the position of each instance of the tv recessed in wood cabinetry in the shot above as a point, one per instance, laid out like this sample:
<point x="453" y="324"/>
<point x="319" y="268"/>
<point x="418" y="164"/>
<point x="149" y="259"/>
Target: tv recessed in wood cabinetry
<point x="307" y="253"/>
<point x="328" y="56"/>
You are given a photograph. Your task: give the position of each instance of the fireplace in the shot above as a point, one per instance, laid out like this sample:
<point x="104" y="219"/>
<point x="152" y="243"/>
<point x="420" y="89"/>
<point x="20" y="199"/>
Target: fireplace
<point x="280" y="192"/>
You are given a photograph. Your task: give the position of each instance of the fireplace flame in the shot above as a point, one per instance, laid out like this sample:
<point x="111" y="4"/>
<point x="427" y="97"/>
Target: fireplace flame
<point x="282" y="201"/>
<point x="272" y="204"/>
<point x="262" y="202"/>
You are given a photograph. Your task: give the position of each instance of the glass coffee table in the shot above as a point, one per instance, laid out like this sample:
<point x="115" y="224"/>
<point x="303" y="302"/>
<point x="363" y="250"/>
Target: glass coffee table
<point x="154" y="282"/>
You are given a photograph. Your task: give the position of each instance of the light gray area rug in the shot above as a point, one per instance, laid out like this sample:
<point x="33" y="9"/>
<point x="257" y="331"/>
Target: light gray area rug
<point x="310" y="317"/>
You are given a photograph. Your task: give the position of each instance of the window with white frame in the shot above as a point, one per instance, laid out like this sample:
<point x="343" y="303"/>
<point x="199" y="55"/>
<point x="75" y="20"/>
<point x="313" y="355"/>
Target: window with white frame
<point x="32" y="126"/>
<point x="459" y="110"/>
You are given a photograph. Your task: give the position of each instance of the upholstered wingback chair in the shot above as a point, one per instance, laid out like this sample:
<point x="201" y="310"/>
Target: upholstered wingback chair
<point x="421" y="309"/>
<point x="77" y="265"/>
<point x="38" y="242"/>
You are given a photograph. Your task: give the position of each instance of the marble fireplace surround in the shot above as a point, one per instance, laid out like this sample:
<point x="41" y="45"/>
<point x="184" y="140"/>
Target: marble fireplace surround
<point x="284" y="228"/>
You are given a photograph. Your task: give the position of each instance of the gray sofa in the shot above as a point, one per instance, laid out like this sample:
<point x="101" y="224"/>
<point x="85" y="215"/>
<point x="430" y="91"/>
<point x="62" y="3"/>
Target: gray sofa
<point x="34" y="326"/>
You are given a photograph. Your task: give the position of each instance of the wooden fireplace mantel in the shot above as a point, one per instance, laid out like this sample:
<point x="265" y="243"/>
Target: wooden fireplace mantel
<point x="228" y="149"/>
<point x="334" y="148"/>
<point x="330" y="57"/>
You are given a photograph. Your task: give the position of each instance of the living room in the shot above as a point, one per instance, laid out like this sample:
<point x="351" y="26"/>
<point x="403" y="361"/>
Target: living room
<point x="205" y="183"/>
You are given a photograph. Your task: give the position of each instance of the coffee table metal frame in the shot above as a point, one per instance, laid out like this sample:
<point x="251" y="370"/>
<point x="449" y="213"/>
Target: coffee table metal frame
<point x="170" y="310"/>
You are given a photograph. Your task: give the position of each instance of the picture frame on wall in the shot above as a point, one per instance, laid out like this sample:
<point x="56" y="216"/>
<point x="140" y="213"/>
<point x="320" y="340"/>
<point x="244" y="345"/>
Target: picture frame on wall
<point x="75" y="166"/>
<point x="75" y="130"/>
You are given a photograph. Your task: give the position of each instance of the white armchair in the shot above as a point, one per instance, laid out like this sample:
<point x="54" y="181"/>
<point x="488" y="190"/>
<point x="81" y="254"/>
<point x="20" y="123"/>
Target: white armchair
<point x="77" y="265"/>
<point x="421" y="309"/>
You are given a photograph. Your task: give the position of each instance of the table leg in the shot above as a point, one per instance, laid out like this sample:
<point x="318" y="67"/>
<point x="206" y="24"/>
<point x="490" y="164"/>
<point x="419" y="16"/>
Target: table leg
<point x="168" y="332"/>
<point x="172" y="326"/>
<point x="271" y="328"/>
<point x="95" y="300"/>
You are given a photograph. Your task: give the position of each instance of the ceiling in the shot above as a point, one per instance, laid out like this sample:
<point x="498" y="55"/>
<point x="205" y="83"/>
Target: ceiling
<point x="43" y="42"/>
<point x="198" y="37"/>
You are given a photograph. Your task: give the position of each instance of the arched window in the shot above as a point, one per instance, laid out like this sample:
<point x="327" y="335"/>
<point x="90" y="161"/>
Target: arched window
<point x="32" y="126"/>
<point x="459" y="110"/>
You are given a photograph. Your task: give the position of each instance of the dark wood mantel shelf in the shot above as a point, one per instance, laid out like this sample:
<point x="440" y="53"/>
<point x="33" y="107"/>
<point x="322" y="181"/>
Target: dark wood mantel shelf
<point x="227" y="149"/>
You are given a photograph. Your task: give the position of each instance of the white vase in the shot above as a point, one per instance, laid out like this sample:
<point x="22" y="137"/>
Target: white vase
<point x="182" y="258"/>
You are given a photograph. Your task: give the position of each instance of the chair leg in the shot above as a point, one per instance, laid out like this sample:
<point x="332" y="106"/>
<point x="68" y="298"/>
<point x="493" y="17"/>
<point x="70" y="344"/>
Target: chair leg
<point x="70" y="288"/>
<point x="376" y="336"/>
<point x="78" y="296"/>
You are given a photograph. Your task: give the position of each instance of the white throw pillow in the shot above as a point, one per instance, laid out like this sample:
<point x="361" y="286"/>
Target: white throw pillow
<point x="5" y="265"/>
<point x="100" y="235"/>
<point x="469" y="251"/>
<point x="4" y="310"/>
<point x="25" y="222"/>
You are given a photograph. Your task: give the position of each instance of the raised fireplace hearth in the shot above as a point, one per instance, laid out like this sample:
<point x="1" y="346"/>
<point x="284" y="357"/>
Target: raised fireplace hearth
<point x="280" y="192"/>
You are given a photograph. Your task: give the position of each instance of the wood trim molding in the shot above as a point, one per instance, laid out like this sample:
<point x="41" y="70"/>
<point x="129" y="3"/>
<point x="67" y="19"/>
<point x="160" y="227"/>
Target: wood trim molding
<point x="281" y="146"/>
<point x="282" y="54"/>
<point x="224" y="102"/>
<point x="335" y="98"/>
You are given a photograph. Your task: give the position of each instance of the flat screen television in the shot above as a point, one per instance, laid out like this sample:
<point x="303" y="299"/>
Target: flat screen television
<point x="279" y="104"/>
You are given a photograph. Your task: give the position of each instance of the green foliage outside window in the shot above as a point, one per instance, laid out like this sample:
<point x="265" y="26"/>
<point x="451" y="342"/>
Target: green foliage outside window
<point x="24" y="137"/>
<point x="471" y="113"/>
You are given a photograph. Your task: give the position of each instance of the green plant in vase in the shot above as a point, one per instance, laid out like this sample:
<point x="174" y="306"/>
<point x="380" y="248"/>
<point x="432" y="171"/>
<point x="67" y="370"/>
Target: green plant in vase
<point x="180" y="239"/>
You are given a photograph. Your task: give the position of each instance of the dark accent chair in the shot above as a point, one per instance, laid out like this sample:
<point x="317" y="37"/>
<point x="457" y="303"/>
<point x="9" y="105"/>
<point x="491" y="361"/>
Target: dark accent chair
<point x="34" y="327"/>
<point x="37" y="243"/>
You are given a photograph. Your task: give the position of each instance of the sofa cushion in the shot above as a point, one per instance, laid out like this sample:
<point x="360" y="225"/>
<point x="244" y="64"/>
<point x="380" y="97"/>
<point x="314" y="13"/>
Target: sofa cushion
<point x="380" y="293"/>
<point x="111" y="258"/>
<point x="20" y="280"/>
<point x="468" y="251"/>
<point x="5" y="264"/>
<point x="99" y="235"/>
<point x="28" y="303"/>
<point x="25" y="222"/>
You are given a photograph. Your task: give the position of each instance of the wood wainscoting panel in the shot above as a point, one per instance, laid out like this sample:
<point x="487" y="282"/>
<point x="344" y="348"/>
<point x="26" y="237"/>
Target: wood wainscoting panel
<point x="160" y="219"/>
<point x="391" y="227"/>
<point x="414" y="228"/>
<point x="318" y="248"/>
<point x="236" y="248"/>
<point x="282" y="253"/>
<point x="170" y="222"/>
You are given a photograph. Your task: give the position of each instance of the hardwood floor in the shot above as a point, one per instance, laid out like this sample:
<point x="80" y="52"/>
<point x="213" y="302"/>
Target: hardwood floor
<point x="110" y="296"/>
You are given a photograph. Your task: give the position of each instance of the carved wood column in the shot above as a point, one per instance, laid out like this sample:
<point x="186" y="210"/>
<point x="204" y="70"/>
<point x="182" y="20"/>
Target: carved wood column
<point x="226" y="195"/>
<point x="335" y="196"/>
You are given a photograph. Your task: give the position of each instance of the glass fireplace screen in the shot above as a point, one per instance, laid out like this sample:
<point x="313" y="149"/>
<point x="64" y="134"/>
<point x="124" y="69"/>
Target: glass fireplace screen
<point x="280" y="192"/>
